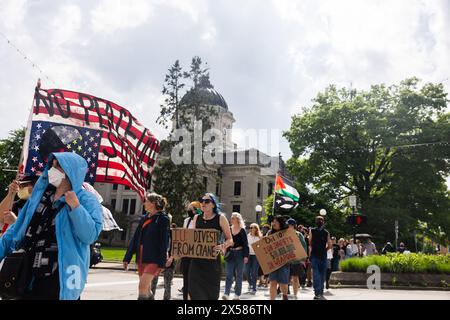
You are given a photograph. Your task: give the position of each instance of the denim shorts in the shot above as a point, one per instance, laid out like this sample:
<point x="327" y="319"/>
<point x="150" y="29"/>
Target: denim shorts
<point x="281" y="275"/>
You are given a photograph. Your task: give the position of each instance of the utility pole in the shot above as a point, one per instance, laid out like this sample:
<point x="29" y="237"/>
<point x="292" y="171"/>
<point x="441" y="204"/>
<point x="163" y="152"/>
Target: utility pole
<point x="352" y="201"/>
<point x="396" y="235"/>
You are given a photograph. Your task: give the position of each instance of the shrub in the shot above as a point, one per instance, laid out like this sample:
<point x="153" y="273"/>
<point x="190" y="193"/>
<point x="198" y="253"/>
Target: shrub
<point x="400" y="263"/>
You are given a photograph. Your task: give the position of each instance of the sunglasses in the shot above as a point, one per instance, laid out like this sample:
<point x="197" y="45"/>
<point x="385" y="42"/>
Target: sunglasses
<point x="205" y="201"/>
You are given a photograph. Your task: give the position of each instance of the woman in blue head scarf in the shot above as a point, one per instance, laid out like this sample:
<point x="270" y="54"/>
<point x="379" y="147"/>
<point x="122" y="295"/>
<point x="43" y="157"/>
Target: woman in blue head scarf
<point x="204" y="274"/>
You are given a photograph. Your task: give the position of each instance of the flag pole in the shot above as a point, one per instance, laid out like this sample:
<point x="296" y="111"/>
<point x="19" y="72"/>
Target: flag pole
<point x="24" y="144"/>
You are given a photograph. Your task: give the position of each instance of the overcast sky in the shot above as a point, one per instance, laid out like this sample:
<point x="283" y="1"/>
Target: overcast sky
<point x="267" y="58"/>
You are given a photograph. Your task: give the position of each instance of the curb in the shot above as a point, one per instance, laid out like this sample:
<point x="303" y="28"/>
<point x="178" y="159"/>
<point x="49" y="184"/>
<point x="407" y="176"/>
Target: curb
<point x="390" y="288"/>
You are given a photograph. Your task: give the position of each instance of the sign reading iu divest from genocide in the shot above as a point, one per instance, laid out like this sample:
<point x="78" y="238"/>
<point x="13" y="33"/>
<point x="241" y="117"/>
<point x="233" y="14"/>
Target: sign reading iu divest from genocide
<point x="116" y="146"/>
<point x="194" y="243"/>
<point x="277" y="249"/>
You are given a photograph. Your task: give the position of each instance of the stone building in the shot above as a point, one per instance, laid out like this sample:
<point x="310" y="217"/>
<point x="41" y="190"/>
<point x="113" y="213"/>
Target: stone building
<point x="240" y="184"/>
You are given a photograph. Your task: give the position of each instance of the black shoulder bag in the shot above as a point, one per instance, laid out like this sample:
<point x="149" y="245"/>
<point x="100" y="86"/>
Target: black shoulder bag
<point x="15" y="275"/>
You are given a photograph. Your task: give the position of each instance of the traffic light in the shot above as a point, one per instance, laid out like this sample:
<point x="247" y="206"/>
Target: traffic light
<point x="356" y="220"/>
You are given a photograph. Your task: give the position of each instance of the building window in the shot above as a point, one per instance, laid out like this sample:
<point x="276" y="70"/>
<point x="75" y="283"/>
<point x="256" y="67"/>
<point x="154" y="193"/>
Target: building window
<point x="217" y="189"/>
<point x="127" y="188"/>
<point x="205" y="183"/>
<point x="113" y="204"/>
<point x="237" y="208"/>
<point x="270" y="191"/>
<point x="237" y="188"/>
<point x="258" y="191"/>
<point x="133" y="206"/>
<point x="115" y="186"/>
<point x="125" y="205"/>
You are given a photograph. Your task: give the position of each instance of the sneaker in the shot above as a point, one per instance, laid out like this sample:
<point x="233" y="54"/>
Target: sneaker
<point x="316" y="298"/>
<point x="285" y="297"/>
<point x="327" y="286"/>
<point x="253" y="292"/>
<point x="237" y="298"/>
<point x="322" y="298"/>
<point x="309" y="285"/>
<point x="225" y="297"/>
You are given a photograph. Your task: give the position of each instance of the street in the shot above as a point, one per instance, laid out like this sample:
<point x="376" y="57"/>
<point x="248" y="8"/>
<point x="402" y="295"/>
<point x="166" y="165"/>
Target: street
<point x="106" y="284"/>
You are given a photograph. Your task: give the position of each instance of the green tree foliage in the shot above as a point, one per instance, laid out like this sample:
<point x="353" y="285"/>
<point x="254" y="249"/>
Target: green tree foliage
<point x="388" y="145"/>
<point x="10" y="151"/>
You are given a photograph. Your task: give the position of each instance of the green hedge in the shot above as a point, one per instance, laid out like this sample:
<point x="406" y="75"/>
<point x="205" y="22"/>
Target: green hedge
<point x="400" y="263"/>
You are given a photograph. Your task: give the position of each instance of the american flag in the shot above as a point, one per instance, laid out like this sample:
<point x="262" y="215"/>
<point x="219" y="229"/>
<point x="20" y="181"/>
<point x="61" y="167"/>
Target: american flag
<point x="116" y="147"/>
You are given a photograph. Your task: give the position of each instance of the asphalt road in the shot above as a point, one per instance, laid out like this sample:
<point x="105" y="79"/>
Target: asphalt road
<point x="105" y="284"/>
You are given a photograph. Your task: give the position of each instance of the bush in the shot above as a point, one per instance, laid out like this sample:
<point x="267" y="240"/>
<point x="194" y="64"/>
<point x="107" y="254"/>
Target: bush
<point x="400" y="263"/>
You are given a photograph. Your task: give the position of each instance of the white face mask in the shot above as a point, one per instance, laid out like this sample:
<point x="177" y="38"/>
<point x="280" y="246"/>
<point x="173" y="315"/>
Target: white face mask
<point x="55" y="177"/>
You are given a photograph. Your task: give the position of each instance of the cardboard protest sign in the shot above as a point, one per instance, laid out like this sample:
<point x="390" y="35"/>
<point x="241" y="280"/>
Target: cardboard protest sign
<point x="276" y="250"/>
<point x="194" y="243"/>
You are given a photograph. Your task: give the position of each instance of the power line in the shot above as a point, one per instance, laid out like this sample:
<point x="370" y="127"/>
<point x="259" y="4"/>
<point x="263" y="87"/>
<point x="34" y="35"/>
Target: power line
<point x="25" y="57"/>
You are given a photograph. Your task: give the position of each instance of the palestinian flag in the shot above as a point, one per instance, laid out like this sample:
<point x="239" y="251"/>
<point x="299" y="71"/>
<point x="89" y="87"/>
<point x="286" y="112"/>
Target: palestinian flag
<point x="284" y="189"/>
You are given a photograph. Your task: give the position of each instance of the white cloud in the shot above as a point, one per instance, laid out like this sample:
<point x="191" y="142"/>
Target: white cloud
<point x="267" y="58"/>
<point x="66" y="24"/>
<point x="12" y="13"/>
<point x="113" y="15"/>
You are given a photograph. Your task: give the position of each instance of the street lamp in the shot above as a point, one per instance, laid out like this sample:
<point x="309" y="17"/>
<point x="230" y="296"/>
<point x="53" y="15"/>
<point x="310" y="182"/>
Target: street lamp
<point x="258" y="210"/>
<point x="323" y="212"/>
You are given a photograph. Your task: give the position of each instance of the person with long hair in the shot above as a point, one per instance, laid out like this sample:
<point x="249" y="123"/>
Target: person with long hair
<point x="150" y="244"/>
<point x="204" y="274"/>
<point x="252" y="266"/>
<point x="192" y="210"/>
<point x="281" y="275"/>
<point x="238" y="256"/>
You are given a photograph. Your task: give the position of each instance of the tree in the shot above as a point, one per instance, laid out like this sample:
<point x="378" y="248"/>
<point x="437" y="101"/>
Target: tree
<point x="10" y="152"/>
<point x="171" y="89"/>
<point x="182" y="183"/>
<point x="388" y="146"/>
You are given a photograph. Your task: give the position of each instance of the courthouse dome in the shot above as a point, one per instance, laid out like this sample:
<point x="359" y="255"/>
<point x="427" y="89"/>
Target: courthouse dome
<point x="208" y="95"/>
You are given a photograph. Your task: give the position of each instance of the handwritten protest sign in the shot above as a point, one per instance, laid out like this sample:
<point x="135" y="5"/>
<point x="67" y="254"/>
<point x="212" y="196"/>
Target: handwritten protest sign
<point x="274" y="251"/>
<point x="194" y="243"/>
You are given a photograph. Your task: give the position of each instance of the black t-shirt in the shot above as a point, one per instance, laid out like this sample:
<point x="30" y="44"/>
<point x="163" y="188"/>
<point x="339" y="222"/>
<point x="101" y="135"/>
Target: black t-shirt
<point x="40" y="237"/>
<point x="240" y="240"/>
<point x="319" y="243"/>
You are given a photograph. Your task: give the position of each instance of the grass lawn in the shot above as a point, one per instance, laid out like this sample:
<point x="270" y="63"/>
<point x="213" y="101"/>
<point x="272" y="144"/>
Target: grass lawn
<point x="113" y="254"/>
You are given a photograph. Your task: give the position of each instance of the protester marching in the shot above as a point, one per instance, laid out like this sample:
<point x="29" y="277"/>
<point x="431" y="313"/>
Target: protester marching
<point x="74" y="140"/>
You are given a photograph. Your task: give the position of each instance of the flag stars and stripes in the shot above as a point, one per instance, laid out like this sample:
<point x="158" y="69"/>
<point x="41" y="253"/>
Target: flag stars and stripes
<point x="37" y="137"/>
<point x="36" y="148"/>
<point x="35" y="159"/>
<point x="39" y="126"/>
<point x="41" y="165"/>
